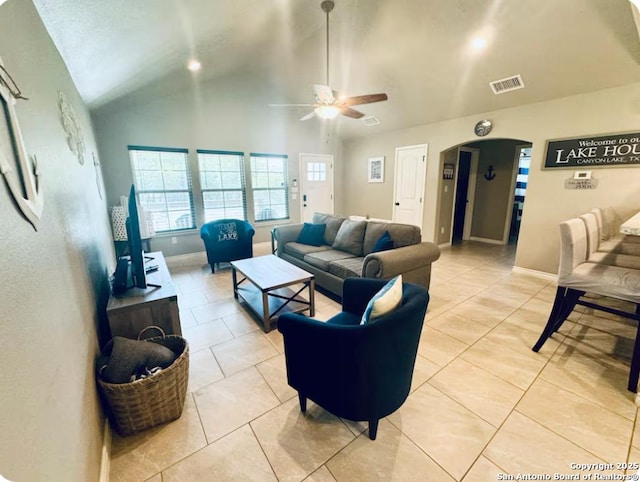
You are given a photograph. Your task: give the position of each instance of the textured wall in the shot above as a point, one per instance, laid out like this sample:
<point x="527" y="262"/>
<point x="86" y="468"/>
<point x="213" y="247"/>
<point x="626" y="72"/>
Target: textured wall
<point x="229" y="114"/>
<point x="53" y="281"/>
<point x="494" y="198"/>
<point x="547" y="202"/>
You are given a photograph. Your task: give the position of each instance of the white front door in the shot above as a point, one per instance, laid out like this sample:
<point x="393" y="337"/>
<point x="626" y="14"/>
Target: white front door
<point x="410" y="171"/>
<point x="316" y="185"/>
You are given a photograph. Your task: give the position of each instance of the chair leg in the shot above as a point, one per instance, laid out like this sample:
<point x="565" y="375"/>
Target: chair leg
<point x="213" y="269"/>
<point x="552" y="322"/>
<point x="303" y="402"/>
<point x="569" y="303"/>
<point x="634" y="372"/>
<point x="373" y="429"/>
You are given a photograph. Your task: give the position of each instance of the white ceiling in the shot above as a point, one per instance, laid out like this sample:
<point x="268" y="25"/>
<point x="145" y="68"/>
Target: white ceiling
<point x="417" y="51"/>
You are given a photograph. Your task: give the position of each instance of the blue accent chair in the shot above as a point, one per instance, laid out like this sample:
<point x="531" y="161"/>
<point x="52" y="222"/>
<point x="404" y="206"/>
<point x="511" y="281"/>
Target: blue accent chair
<point x="358" y="372"/>
<point x="227" y="240"/>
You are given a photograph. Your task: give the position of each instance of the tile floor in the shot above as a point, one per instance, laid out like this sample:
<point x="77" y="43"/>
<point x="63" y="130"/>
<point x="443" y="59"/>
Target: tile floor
<point x="482" y="405"/>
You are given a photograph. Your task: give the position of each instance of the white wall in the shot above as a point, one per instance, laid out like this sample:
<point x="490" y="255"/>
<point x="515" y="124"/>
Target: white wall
<point x="54" y="281"/>
<point x="548" y="202"/>
<point x="229" y="114"/>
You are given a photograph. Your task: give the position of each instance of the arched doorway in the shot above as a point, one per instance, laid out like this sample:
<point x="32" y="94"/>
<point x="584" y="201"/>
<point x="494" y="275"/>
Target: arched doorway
<point x="481" y="191"/>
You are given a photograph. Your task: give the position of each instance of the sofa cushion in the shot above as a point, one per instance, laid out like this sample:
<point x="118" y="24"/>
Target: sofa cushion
<point x="383" y="243"/>
<point x="384" y="301"/>
<point x="333" y="224"/>
<point x="312" y="234"/>
<point x="322" y="259"/>
<point x="402" y="235"/>
<point x="344" y="268"/>
<point x="350" y="236"/>
<point x="299" y="250"/>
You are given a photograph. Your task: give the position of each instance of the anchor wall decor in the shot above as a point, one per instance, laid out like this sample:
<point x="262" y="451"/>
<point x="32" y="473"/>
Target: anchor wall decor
<point x="490" y="174"/>
<point x="23" y="178"/>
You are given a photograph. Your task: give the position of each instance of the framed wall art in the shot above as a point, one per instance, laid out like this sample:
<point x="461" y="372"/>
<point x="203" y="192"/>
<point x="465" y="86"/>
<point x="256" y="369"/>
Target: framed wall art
<point x="594" y="151"/>
<point x="447" y="171"/>
<point x="376" y="169"/>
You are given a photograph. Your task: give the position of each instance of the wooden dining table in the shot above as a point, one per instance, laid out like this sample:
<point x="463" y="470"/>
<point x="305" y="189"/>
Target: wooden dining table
<point x="631" y="226"/>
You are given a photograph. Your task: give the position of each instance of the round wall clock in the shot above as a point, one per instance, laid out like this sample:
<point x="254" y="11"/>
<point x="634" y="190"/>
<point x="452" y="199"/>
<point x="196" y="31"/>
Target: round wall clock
<point x="483" y="127"/>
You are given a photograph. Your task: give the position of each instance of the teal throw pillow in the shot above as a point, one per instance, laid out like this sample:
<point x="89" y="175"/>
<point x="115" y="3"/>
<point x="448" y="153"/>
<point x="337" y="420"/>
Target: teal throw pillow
<point x="384" y="301"/>
<point x="383" y="243"/>
<point x="312" y="234"/>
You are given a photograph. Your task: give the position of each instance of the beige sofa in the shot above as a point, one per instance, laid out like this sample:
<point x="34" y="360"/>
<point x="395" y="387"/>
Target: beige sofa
<point x="346" y="251"/>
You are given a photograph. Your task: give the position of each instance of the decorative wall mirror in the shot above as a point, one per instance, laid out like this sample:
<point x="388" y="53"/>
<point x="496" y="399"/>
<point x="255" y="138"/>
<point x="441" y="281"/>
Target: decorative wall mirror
<point x="20" y="174"/>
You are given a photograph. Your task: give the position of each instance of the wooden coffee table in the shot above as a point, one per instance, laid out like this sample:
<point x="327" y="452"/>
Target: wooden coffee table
<point x="267" y="291"/>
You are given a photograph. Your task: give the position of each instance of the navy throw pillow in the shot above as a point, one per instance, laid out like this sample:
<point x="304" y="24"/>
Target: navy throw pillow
<point x="383" y="243"/>
<point x="312" y="234"/>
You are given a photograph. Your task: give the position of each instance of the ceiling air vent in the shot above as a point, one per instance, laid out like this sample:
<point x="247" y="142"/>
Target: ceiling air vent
<point x="507" y="85"/>
<point x="370" y="120"/>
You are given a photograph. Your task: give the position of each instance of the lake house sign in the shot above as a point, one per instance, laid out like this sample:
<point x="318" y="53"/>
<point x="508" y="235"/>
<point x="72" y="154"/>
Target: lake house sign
<point x="588" y="152"/>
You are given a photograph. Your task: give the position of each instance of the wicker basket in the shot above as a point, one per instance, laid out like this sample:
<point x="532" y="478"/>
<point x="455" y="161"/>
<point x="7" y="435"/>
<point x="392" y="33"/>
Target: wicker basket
<point x="145" y="403"/>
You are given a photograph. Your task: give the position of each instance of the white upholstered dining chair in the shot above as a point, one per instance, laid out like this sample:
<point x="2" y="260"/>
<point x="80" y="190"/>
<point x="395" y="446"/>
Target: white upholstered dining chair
<point x="597" y="253"/>
<point x="577" y="277"/>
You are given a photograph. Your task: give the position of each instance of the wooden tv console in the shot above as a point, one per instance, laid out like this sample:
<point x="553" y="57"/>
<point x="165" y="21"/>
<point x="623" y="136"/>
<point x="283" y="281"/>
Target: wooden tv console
<point x="136" y="308"/>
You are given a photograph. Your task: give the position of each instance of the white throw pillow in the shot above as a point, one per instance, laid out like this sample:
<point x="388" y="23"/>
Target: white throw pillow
<point x="384" y="301"/>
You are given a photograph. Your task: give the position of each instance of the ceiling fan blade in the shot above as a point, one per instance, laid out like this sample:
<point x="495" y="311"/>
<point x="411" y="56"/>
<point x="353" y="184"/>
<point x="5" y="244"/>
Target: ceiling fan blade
<point x="364" y="99"/>
<point x="291" y="105"/>
<point x="349" y="112"/>
<point x="310" y="115"/>
<point x="323" y="93"/>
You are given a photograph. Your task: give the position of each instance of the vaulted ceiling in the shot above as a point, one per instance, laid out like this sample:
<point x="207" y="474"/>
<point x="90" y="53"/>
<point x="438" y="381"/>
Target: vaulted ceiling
<point x="417" y="51"/>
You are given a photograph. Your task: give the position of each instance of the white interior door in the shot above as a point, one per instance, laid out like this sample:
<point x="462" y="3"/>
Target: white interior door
<point x="410" y="171"/>
<point x="316" y="185"/>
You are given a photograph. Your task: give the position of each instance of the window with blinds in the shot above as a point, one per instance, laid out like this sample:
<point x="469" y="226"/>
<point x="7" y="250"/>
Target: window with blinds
<point x="222" y="183"/>
<point x="163" y="183"/>
<point x="270" y="186"/>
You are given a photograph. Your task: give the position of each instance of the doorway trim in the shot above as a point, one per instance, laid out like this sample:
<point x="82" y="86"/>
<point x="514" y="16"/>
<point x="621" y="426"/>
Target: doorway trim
<point x="514" y="177"/>
<point x="471" y="192"/>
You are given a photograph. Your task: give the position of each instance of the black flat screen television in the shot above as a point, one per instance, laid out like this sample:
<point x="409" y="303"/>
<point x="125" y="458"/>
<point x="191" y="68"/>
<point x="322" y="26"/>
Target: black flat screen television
<point x="138" y="274"/>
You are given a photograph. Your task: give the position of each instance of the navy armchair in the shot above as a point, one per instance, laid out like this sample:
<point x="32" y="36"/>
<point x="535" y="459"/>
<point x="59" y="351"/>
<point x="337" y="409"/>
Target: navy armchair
<point x="227" y="240"/>
<point x="358" y="372"/>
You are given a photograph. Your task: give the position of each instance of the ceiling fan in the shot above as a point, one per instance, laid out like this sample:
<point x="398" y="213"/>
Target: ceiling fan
<point x="328" y="105"/>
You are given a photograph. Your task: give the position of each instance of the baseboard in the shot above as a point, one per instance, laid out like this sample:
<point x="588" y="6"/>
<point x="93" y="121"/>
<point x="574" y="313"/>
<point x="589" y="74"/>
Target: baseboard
<point x="106" y="452"/>
<point x="536" y="273"/>
<point x="486" y="240"/>
<point x="444" y="245"/>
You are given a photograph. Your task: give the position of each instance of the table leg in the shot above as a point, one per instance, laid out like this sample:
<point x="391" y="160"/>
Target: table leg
<point x="266" y="317"/>
<point x="235" y="282"/>
<point x="273" y="241"/>
<point x="312" y="298"/>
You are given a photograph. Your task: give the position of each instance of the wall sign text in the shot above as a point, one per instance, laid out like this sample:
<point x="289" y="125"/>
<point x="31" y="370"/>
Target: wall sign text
<point x="588" y="152"/>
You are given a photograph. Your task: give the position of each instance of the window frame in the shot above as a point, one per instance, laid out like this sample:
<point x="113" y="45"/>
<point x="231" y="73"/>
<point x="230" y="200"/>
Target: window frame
<point x="203" y="189"/>
<point x="284" y="188"/>
<point x="140" y="190"/>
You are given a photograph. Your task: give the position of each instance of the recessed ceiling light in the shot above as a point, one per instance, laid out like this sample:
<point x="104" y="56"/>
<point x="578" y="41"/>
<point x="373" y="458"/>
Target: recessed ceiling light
<point x="478" y="43"/>
<point x="194" y="65"/>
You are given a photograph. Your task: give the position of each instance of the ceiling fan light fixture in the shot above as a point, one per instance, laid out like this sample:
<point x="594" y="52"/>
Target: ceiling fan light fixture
<point x="327" y="111"/>
<point x="194" y="65"/>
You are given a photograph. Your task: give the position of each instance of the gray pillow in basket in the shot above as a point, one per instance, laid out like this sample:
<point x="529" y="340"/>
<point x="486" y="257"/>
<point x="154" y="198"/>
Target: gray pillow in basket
<point x="127" y="357"/>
